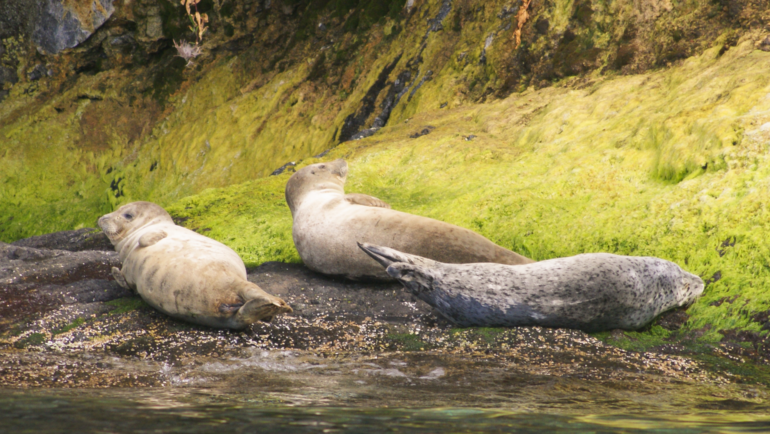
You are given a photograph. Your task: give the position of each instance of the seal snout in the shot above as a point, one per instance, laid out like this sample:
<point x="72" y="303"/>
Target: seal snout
<point x="103" y="222"/>
<point x="108" y="226"/>
<point x="339" y="167"/>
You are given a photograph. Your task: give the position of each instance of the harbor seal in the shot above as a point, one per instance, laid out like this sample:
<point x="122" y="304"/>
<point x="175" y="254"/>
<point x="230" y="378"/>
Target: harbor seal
<point x="328" y="224"/>
<point x="182" y="273"/>
<point x="590" y="292"/>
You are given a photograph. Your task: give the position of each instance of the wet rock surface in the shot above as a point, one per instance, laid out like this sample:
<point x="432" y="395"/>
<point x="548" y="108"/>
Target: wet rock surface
<point x="74" y="241"/>
<point x="38" y="280"/>
<point x="66" y="323"/>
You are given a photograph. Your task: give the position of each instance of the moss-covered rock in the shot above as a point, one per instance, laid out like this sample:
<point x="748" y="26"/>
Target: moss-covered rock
<point x="546" y="145"/>
<point x="667" y="171"/>
<point x="120" y="118"/>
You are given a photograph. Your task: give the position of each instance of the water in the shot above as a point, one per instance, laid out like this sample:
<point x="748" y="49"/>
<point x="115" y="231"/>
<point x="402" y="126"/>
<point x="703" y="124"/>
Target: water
<point x="185" y="410"/>
<point x="293" y="391"/>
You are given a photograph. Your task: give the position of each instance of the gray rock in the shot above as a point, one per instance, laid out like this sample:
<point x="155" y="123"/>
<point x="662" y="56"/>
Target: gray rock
<point x="24" y="265"/>
<point x="73" y="241"/>
<point x="7" y="75"/>
<point x="125" y="39"/>
<point x="38" y="72"/>
<point x="316" y="295"/>
<point x="35" y="281"/>
<point x="85" y="291"/>
<point x="154" y="25"/>
<point x="61" y="26"/>
<point x="364" y="133"/>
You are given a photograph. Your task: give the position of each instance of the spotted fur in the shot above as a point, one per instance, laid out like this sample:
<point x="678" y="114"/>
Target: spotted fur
<point x="591" y="292"/>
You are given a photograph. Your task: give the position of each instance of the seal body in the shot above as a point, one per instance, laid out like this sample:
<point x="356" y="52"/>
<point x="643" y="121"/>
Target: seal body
<point x="591" y="292"/>
<point x="182" y="273"/>
<point x="328" y="224"/>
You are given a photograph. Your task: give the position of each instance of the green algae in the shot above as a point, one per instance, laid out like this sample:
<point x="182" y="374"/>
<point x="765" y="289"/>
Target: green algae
<point x="127" y="304"/>
<point x="241" y="113"/>
<point x="561" y="171"/>
<point x="32" y="339"/>
<point x="408" y="342"/>
<point x="67" y="327"/>
<point x="637" y="340"/>
<point x="252" y="218"/>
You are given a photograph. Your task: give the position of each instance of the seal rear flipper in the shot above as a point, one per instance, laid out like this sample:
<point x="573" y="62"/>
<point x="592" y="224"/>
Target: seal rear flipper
<point x="259" y="305"/>
<point x="262" y="309"/>
<point x="151" y="238"/>
<point x="366" y="200"/>
<point x="387" y="256"/>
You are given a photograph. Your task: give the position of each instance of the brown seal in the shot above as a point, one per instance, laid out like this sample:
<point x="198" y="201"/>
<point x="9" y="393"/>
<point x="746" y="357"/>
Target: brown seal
<point x="328" y="224"/>
<point x="182" y="273"/>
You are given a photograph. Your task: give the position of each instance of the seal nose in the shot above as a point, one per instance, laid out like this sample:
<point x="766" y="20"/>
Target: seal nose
<point x="339" y="167"/>
<point x="102" y="220"/>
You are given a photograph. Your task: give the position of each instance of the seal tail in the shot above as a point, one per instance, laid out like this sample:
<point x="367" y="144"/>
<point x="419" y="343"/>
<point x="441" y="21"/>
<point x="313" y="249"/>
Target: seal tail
<point x="387" y="256"/>
<point x="259" y="306"/>
<point x="412" y="271"/>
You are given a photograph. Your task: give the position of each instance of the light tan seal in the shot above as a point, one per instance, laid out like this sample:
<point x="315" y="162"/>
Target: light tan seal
<point x="182" y="273"/>
<point x="328" y="224"/>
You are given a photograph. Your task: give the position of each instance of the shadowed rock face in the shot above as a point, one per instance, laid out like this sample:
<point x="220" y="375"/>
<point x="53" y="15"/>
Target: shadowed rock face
<point x="74" y="241"/>
<point x="61" y="26"/>
<point x="36" y="281"/>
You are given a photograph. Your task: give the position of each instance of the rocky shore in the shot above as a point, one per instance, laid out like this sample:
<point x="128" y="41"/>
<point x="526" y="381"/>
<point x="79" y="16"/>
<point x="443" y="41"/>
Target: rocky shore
<point x="65" y="323"/>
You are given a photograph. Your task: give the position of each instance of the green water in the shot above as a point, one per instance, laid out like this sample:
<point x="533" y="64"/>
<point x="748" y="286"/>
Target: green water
<point x="194" y="410"/>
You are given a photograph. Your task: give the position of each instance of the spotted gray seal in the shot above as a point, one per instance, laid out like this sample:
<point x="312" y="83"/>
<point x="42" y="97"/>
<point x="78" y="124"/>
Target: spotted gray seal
<point x="328" y="224"/>
<point x="182" y="273"/>
<point x="591" y="292"/>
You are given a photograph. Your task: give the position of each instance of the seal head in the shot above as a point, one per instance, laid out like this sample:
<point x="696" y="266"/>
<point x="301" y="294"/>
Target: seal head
<point x="130" y="218"/>
<point x="316" y="177"/>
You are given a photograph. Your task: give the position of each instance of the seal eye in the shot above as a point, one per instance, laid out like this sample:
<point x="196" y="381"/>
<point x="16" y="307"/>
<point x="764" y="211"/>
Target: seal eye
<point x="128" y="216"/>
<point x="322" y="167"/>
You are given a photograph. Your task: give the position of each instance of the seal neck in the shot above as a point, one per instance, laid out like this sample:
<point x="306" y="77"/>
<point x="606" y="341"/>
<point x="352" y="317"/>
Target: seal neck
<point x="320" y="193"/>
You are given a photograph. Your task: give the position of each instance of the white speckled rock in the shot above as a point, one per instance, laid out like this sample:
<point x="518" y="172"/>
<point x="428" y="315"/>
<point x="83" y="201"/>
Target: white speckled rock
<point x="591" y="292"/>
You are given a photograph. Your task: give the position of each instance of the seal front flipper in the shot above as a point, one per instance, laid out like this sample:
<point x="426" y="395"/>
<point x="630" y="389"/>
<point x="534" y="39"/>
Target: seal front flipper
<point x="366" y="200"/>
<point x="151" y="238"/>
<point x="118" y="275"/>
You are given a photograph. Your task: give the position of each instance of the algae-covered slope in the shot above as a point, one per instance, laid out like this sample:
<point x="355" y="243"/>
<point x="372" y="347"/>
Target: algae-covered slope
<point x="672" y="164"/>
<point x="121" y="117"/>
